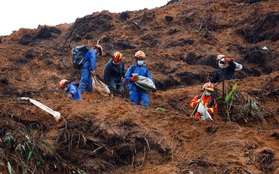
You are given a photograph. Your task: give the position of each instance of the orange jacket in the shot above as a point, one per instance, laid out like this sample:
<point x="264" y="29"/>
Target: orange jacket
<point x="205" y="101"/>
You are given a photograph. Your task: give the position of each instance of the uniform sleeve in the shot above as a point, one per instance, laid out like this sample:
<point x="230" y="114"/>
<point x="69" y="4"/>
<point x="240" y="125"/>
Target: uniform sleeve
<point x="73" y="90"/>
<point x="232" y="65"/>
<point x="215" y="77"/>
<point x="213" y="109"/>
<point x="123" y="70"/>
<point x="128" y="74"/>
<point x="149" y="75"/>
<point x="193" y="102"/>
<point x="91" y="56"/>
<point x="106" y="74"/>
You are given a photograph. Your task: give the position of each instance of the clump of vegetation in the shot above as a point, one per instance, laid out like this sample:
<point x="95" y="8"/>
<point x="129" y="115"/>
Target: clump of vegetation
<point x="238" y="106"/>
<point x="27" y="152"/>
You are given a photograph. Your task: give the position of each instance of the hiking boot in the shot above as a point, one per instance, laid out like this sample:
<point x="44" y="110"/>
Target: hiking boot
<point x="111" y="95"/>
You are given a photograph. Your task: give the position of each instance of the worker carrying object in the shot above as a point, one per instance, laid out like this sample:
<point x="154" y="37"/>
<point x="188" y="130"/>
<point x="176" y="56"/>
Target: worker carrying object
<point x="227" y="68"/>
<point x="138" y="95"/>
<point x="89" y="67"/>
<point x="114" y="71"/>
<point x="207" y="100"/>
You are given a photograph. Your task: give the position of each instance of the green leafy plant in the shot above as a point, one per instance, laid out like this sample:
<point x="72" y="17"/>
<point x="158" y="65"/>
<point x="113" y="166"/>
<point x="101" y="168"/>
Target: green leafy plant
<point x="10" y="168"/>
<point x="9" y="140"/>
<point x="251" y="108"/>
<point x="227" y="102"/>
<point x="160" y="108"/>
<point x="25" y="154"/>
<point x="237" y="105"/>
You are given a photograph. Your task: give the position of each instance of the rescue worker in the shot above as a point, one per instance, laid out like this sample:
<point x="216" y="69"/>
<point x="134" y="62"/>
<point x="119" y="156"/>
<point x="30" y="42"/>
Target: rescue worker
<point x="114" y="71"/>
<point x="89" y="67"/>
<point x="227" y="67"/>
<point x="71" y="89"/>
<point x="206" y="99"/>
<point x="138" y="95"/>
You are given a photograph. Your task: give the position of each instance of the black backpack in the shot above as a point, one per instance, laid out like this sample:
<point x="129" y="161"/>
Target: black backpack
<point x="78" y="56"/>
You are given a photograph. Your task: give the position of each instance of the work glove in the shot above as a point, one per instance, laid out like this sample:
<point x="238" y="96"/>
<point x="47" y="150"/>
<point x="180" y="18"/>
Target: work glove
<point x="93" y="73"/>
<point x="134" y="79"/>
<point x="69" y="96"/>
<point x="135" y="75"/>
<point x="210" y="110"/>
<point x="227" y="59"/>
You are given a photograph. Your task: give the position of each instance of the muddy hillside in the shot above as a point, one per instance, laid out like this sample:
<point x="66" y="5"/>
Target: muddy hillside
<point x="99" y="134"/>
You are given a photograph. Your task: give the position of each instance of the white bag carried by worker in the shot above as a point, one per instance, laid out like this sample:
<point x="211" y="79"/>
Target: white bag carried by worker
<point x="100" y="86"/>
<point x="203" y="112"/>
<point x="145" y="83"/>
<point x="238" y="66"/>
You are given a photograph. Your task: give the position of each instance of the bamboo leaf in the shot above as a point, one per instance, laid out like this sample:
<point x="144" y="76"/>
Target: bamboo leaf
<point x="254" y="105"/>
<point x="246" y="105"/>
<point x="160" y="108"/>
<point x="29" y="156"/>
<point x="229" y="96"/>
<point x="234" y="87"/>
<point x="10" y="168"/>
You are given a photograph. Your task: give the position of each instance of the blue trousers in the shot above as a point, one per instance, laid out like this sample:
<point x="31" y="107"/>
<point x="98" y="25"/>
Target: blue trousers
<point x="137" y="96"/>
<point x="85" y="83"/>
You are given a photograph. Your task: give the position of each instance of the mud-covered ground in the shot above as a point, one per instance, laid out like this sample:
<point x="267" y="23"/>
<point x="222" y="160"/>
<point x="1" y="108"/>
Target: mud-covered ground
<point x="103" y="135"/>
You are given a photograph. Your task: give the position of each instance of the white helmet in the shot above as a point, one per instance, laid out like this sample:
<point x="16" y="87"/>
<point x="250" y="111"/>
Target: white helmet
<point x="222" y="63"/>
<point x="220" y="56"/>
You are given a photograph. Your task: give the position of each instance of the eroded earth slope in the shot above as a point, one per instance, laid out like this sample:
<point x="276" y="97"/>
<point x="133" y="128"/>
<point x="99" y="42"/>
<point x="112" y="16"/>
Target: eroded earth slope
<point x="104" y="135"/>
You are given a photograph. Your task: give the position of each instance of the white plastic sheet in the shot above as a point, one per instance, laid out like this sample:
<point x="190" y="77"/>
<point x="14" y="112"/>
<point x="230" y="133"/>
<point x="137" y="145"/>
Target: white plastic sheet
<point x="55" y="114"/>
<point x="203" y="112"/>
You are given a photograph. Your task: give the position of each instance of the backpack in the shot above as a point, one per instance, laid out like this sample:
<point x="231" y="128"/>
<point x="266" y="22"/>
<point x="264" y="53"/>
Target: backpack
<point x="78" y="56"/>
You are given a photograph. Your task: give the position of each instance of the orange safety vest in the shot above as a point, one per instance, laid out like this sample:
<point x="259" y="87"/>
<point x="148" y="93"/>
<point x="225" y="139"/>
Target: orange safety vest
<point x="208" y="101"/>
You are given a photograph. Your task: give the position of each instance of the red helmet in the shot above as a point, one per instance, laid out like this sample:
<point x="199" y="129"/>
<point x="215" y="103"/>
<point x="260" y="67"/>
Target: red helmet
<point x="99" y="48"/>
<point x="117" y="56"/>
<point x="140" y="54"/>
<point x="208" y="86"/>
<point x="62" y="84"/>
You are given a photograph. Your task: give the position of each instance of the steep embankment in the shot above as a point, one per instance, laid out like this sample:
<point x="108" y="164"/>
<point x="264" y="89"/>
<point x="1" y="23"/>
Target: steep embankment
<point x="103" y="135"/>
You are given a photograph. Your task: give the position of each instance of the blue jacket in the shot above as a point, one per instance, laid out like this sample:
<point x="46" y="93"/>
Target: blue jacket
<point x="90" y="60"/>
<point x="73" y="89"/>
<point x="140" y="70"/>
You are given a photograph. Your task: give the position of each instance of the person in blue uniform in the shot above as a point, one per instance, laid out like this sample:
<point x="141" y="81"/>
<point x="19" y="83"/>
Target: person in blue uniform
<point x="71" y="89"/>
<point x="138" y="95"/>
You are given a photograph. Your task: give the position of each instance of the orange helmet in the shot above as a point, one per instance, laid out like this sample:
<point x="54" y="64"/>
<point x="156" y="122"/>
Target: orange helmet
<point x="117" y="56"/>
<point x="62" y="84"/>
<point x="99" y="48"/>
<point x="208" y="86"/>
<point x="140" y="54"/>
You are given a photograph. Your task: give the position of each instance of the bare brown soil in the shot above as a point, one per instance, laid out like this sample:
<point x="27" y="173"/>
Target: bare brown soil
<point x="103" y="135"/>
